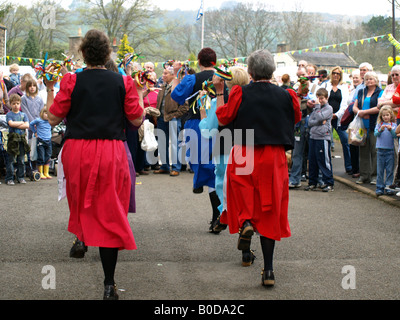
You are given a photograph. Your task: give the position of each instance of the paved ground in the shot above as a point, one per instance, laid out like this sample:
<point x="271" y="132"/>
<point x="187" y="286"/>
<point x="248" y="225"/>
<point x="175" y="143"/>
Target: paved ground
<point x="179" y="260"/>
<point x="342" y="177"/>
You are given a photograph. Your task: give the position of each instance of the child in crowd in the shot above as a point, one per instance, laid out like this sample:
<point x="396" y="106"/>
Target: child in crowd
<point x="31" y="105"/>
<point x="15" y="77"/>
<point x="31" y="102"/>
<point x="385" y="133"/>
<point x="319" y="154"/>
<point x="17" y="145"/>
<point x="42" y="130"/>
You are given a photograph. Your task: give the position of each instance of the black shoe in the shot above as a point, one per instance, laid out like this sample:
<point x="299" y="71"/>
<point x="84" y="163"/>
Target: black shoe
<point x="395" y="186"/>
<point x="245" y="235"/>
<point x="198" y="190"/>
<point x="211" y="228"/>
<point x="110" y="292"/>
<point x="327" y="189"/>
<point x="311" y="187"/>
<point x="267" y="278"/>
<point x="247" y="258"/>
<point x="78" y="249"/>
<point x="218" y="226"/>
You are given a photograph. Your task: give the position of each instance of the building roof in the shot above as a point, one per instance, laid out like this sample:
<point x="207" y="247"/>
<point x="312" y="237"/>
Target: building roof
<point x="326" y="59"/>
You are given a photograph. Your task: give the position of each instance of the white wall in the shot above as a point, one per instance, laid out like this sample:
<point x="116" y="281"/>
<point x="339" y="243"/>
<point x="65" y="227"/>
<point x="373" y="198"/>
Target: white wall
<point x="22" y="70"/>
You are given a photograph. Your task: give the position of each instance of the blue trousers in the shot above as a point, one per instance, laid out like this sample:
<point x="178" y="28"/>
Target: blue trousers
<point x="385" y="162"/>
<point x="20" y="164"/>
<point x="319" y="159"/>
<point x="344" y="140"/>
<point x="297" y="153"/>
<point x="43" y="151"/>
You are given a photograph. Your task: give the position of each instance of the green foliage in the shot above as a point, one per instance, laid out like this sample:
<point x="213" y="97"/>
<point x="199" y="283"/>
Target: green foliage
<point x="31" y="48"/>
<point x="124" y="47"/>
<point x="378" y="25"/>
<point x="4" y="9"/>
<point x="55" y="54"/>
<point x="193" y="57"/>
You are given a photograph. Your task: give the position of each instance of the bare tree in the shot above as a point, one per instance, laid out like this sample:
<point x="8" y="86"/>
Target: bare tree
<point x="296" y="28"/>
<point x="240" y="30"/>
<point x="188" y="38"/>
<point x="54" y="36"/>
<point x="136" y="18"/>
<point x="117" y="17"/>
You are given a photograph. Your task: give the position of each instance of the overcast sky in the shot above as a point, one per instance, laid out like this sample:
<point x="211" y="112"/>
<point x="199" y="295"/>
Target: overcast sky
<point x="347" y="7"/>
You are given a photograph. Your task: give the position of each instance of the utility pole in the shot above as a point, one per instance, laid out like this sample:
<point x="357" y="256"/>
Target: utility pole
<point x="202" y="24"/>
<point x="394" y="27"/>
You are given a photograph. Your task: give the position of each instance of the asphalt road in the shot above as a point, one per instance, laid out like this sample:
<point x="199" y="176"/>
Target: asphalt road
<point x="344" y="246"/>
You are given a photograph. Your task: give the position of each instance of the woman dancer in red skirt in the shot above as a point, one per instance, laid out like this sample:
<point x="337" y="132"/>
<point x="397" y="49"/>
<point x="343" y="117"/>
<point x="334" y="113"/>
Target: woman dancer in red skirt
<point x="257" y="191"/>
<point x="95" y="103"/>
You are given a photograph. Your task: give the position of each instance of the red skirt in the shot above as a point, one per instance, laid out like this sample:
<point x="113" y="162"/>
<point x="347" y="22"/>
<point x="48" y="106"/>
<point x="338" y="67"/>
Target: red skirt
<point x="257" y="189"/>
<point x="98" y="188"/>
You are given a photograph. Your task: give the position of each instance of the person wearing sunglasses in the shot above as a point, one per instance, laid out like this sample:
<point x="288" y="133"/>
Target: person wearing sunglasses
<point x="338" y="97"/>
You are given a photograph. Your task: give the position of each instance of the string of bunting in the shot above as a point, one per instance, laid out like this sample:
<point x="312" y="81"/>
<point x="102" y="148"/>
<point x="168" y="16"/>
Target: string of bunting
<point x="348" y="43"/>
<point x="394" y="42"/>
<point x="389" y="36"/>
<point x="187" y="63"/>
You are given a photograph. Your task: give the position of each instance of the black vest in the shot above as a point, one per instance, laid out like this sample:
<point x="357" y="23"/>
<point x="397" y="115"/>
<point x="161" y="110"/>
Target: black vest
<point x="268" y="110"/>
<point x="97" y="106"/>
<point x="200" y="78"/>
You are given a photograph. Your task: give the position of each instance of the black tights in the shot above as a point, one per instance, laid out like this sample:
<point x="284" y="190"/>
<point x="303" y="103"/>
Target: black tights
<point x="267" y="247"/>
<point x="108" y="258"/>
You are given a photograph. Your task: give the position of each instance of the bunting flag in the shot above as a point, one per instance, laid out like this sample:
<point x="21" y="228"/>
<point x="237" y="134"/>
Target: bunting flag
<point x="347" y="43"/>
<point x="32" y="61"/>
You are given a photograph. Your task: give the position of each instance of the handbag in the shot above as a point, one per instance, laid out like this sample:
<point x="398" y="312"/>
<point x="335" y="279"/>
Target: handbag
<point x="149" y="142"/>
<point x="348" y="116"/>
